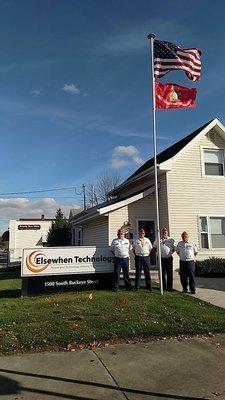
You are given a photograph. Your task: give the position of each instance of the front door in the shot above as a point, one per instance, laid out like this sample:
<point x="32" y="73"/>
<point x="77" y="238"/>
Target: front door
<point x="149" y="227"/>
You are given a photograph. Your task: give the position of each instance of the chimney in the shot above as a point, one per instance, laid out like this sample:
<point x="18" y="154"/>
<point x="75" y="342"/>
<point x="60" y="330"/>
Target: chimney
<point x="42" y="216"/>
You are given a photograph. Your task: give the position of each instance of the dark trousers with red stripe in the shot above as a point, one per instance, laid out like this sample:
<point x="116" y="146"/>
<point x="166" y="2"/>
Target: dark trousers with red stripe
<point x="167" y="273"/>
<point x="142" y="262"/>
<point x="187" y="275"/>
<point x="121" y="263"/>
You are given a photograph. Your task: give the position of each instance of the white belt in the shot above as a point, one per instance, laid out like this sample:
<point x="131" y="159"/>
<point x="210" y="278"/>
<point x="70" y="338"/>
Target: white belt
<point x="142" y="255"/>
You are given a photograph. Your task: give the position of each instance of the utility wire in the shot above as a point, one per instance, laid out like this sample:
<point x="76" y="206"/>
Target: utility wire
<point x="43" y="197"/>
<point x="40" y="191"/>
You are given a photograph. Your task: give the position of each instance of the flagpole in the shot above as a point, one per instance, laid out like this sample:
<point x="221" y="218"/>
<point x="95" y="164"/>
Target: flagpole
<point x="151" y="38"/>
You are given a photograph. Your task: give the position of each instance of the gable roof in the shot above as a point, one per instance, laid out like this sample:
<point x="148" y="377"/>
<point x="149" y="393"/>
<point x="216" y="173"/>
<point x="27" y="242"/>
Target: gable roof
<point x="167" y="154"/>
<point x="109" y="206"/>
<point x="91" y="210"/>
<point x="170" y="151"/>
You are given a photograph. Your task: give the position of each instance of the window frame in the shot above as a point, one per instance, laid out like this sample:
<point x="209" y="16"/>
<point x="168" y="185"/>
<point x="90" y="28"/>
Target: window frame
<point x="78" y="236"/>
<point x="208" y="231"/>
<point x="203" y="148"/>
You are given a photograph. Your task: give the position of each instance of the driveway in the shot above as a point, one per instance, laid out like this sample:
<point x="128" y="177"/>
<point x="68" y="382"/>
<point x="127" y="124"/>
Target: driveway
<point x="211" y="290"/>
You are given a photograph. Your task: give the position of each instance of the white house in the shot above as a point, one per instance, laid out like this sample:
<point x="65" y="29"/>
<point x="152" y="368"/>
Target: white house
<point x="26" y="232"/>
<point x="191" y="175"/>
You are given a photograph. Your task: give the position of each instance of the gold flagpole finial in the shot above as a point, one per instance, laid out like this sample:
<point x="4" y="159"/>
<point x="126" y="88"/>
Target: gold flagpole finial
<point x="151" y="36"/>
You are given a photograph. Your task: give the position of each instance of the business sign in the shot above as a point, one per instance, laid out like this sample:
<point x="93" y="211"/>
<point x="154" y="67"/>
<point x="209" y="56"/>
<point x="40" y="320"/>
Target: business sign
<point x="32" y="286"/>
<point x="66" y="260"/>
<point x="28" y="227"/>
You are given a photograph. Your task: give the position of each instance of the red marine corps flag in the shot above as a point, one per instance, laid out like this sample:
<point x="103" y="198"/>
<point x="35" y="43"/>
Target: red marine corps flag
<point x="174" y="96"/>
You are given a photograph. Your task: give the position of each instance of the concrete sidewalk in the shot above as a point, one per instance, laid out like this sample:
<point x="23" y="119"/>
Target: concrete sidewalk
<point x="189" y="369"/>
<point x="211" y="290"/>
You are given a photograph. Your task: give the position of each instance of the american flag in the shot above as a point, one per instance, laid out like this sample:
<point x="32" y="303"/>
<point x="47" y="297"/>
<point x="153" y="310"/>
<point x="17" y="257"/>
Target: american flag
<point x="168" y="57"/>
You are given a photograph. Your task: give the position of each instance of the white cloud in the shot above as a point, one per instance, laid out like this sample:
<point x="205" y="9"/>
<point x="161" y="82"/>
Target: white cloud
<point x="117" y="163"/>
<point x="35" y="92"/>
<point x="123" y="132"/>
<point x="125" y="156"/>
<point x="70" y="88"/>
<point x="26" y="65"/>
<point x="133" y="39"/>
<point x="13" y="203"/>
<point x="19" y="108"/>
<point x="14" y="208"/>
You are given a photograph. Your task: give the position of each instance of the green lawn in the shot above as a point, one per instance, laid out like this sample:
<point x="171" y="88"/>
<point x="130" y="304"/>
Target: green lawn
<point x="51" y="322"/>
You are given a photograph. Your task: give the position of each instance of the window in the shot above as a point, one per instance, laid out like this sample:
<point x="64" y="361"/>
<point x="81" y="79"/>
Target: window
<point x="214" y="162"/>
<point x="77" y="236"/>
<point x="217" y="232"/>
<point x="212" y="232"/>
<point x="204" y="233"/>
<point x="73" y="236"/>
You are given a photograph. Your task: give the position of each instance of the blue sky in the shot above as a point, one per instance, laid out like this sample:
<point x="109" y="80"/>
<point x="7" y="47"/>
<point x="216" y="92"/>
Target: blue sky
<point x="75" y="91"/>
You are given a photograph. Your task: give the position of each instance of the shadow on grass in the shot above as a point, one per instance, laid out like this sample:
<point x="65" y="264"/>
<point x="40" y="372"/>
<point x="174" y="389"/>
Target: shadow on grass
<point x="10" y="293"/>
<point x="10" y="273"/>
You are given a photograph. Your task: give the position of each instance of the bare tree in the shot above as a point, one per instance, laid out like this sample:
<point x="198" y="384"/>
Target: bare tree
<point x="97" y="191"/>
<point x="91" y="195"/>
<point x="105" y="183"/>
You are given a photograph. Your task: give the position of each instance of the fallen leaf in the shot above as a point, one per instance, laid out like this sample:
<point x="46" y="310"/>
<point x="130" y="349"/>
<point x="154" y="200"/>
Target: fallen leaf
<point x="80" y="346"/>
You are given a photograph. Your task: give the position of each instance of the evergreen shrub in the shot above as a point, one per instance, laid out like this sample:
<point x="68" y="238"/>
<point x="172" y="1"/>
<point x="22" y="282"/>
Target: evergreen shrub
<point x="213" y="266"/>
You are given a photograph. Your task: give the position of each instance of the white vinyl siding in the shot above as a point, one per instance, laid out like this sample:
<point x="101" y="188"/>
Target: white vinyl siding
<point x="116" y="221"/>
<point x="163" y="201"/>
<point x="190" y="194"/>
<point x="96" y="232"/>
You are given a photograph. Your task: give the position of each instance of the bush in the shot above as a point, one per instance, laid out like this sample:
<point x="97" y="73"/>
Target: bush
<point x="210" y="267"/>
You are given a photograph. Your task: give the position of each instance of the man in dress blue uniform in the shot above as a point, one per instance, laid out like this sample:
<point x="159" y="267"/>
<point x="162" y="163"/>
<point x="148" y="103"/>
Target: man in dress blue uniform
<point x="120" y="248"/>
<point x="141" y="248"/>
<point x="187" y="252"/>
<point x="167" y="249"/>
